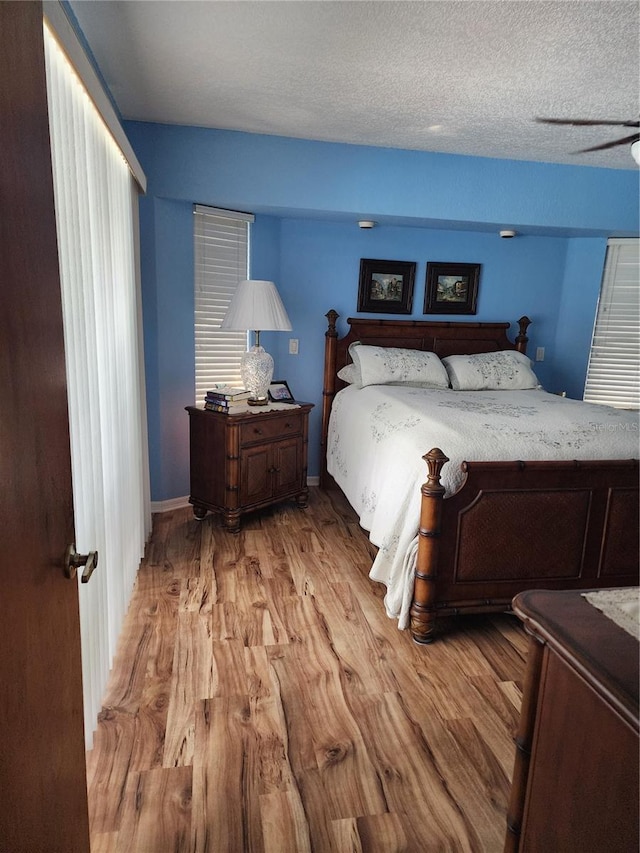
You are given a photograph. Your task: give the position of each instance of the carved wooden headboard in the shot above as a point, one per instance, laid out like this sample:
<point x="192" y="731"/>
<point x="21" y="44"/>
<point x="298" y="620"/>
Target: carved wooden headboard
<point x="442" y="337"/>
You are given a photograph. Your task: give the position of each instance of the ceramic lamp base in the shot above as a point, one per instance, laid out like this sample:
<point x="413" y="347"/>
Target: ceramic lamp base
<point x="256" y="369"/>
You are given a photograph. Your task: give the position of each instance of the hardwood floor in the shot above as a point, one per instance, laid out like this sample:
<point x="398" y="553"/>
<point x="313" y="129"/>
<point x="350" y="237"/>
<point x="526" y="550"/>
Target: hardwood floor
<point x="262" y="701"/>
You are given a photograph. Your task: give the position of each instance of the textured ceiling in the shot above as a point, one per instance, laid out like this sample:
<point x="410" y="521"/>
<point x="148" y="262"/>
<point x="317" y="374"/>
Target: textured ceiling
<point x="458" y="77"/>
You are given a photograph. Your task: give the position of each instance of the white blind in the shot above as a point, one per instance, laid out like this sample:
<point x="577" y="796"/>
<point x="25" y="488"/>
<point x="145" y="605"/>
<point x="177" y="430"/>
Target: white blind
<point x="55" y="15"/>
<point x="96" y="199"/>
<point x="613" y="375"/>
<point x="221" y="245"/>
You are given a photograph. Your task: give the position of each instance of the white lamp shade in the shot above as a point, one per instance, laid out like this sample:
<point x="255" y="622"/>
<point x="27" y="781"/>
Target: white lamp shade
<point x="635" y="151"/>
<point x="256" y="305"/>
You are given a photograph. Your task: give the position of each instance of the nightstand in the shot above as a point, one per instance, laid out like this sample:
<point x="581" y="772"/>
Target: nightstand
<point x="246" y="461"/>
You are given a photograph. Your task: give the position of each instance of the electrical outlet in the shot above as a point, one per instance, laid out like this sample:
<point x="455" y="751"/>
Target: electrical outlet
<point x="540" y="354"/>
<point x="293" y="346"/>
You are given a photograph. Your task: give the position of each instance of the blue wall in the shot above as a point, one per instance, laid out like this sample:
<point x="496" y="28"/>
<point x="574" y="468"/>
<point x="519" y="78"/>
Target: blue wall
<point x="580" y="292"/>
<point x="307" y="197"/>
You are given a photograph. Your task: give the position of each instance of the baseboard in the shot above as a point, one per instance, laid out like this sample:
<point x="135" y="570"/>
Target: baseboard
<point x="180" y="503"/>
<point x="170" y="505"/>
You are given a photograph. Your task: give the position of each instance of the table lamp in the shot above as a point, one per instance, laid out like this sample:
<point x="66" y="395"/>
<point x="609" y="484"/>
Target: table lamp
<point x="256" y="306"/>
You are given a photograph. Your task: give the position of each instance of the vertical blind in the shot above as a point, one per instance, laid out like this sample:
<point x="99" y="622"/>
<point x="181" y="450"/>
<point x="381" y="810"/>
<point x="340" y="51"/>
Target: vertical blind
<point x="95" y="196"/>
<point x="221" y="248"/>
<point x="613" y="375"/>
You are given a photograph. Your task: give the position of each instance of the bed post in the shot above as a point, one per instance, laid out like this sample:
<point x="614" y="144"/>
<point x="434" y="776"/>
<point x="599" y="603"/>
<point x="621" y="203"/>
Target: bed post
<point x="423" y="612"/>
<point x="522" y="340"/>
<point x="328" y="391"/>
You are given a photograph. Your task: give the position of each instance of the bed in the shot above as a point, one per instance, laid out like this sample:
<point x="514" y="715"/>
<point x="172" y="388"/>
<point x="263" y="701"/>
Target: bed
<point x="553" y="507"/>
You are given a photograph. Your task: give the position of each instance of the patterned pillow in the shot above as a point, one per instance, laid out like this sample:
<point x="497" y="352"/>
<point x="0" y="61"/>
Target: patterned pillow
<point x="394" y="366"/>
<point x="508" y="370"/>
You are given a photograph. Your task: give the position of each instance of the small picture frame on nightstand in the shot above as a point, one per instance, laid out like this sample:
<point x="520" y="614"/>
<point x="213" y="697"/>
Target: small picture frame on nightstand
<point x="279" y="392"/>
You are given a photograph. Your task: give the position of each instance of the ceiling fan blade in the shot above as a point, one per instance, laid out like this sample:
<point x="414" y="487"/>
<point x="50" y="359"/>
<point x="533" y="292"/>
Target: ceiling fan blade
<point x="586" y="122"/>
<point x="627" y="139"/>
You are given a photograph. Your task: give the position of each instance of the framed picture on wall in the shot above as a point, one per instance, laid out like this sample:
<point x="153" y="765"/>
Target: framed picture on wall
<point x="386" y="287"/>
<point x="451" y="288"/>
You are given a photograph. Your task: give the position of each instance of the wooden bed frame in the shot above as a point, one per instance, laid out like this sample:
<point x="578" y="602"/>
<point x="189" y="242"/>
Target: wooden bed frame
<point x="511" y="526"/>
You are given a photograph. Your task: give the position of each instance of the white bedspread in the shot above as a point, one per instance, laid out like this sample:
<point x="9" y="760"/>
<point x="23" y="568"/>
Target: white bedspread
<point x="378" y="435"/>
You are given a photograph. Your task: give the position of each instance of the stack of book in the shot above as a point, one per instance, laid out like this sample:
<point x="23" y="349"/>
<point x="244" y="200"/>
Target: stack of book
<point x="225" y="398"/>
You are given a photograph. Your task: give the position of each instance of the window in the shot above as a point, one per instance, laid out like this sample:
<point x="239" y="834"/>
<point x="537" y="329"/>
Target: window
<point x="221" y="243"/>
<point x="613" y="376"/>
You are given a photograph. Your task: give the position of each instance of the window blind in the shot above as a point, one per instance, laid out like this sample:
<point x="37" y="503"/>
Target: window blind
<point x="613" y="375"/>
<point x="221" y="247"/>
<point x="96" y="200"/>
<point x="63" y="31"/>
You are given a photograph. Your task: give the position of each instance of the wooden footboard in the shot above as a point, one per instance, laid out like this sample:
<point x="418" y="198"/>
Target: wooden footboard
<point x="514" y="526"/>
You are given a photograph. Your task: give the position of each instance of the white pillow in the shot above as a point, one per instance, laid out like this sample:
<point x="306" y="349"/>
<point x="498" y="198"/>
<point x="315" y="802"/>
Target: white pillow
<point x="394" y="366"/>
<point x="350" y="374"/>
<point x="508" y="370"/>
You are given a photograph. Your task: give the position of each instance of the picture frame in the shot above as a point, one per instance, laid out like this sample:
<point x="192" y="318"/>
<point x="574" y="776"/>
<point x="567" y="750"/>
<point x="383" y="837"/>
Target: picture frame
<point x="279" y="392"/>
<point x="386" y="287"/>
<point x="451" y="288"/>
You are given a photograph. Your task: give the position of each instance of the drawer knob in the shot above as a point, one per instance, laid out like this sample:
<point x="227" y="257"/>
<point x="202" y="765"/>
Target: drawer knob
<point x="257" y="431"/>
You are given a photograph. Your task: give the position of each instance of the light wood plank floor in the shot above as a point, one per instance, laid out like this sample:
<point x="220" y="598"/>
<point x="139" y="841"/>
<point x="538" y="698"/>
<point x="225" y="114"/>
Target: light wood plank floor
<point x="262" y="701"/>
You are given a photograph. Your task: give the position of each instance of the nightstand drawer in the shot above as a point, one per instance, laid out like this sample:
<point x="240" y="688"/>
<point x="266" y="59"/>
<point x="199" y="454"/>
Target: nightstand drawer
<point x="271" y="428"/>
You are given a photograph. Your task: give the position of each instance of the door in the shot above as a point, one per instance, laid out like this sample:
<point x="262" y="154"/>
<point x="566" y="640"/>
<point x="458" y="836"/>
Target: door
<point x="287" y="463"/>
<point x="256" y="483"/>
<point x="43" y="799"/>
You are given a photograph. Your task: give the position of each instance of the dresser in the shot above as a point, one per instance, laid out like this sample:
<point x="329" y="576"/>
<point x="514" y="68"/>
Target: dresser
<point x="575" y="781"/>
<point x="242" y="462"/>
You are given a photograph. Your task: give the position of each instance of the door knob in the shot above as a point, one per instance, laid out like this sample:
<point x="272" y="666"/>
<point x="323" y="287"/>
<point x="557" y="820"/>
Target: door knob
<point x="73" y="561"/>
